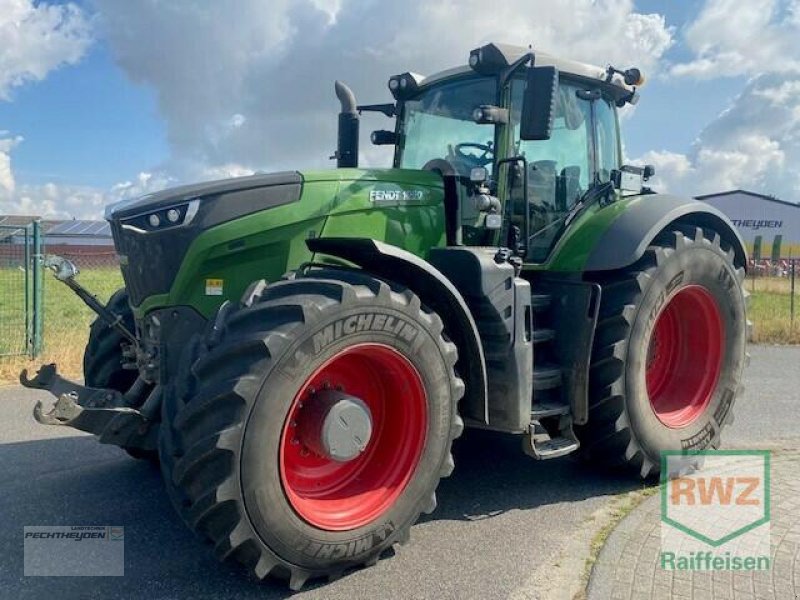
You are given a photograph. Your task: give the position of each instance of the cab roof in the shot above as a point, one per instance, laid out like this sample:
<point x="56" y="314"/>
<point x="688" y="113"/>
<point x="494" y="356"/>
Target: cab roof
<point x="511" y="53"/>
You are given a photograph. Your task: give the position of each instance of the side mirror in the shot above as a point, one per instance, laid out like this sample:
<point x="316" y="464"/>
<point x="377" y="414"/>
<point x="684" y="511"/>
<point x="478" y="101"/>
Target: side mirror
<point x="629" y="178"/>
<point x="539" y="104"/>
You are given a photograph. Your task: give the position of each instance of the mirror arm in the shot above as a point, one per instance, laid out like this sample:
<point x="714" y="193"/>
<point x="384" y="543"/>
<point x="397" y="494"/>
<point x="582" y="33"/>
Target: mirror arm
<point x="390" y="110"/>
<point x="513" y="67"/>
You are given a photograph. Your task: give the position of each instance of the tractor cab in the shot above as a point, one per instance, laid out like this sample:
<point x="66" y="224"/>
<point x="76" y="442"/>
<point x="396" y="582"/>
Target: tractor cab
<point x="540" y="134"/>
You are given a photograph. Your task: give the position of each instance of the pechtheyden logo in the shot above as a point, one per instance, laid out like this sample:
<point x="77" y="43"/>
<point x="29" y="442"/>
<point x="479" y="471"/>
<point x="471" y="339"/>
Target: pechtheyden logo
<point x="716" y="518"/>
<point x="74" y="551"/>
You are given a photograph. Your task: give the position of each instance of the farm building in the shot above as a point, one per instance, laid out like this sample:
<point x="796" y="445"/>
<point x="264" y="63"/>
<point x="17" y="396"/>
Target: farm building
<point x="770" y="227"/>
<point x="83" y="242"/>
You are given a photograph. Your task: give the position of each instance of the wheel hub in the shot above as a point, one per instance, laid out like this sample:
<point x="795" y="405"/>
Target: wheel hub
<point x="335" y="425"/>
<point x="353" y="437"/>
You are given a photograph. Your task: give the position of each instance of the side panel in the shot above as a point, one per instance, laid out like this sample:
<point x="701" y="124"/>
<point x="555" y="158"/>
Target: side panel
<point x="402" y="207"/>
<point x="500" y="303"/>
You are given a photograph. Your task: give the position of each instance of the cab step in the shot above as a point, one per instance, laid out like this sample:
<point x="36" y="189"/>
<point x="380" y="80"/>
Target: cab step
<point x="543" y="410"/>
<point x="543" y="335"/>
<point x="546" y="376"/>
<point x="539" y="444"/>
<point x="540" y="302"/>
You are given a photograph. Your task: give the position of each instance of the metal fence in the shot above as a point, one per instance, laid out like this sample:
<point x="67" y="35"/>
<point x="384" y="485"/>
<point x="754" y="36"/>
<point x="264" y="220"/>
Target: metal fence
<point x="20" y="290"/>
<point x="774" y="285"/>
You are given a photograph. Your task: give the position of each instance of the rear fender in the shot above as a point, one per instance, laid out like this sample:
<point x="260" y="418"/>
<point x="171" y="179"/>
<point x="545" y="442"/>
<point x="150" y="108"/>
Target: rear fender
<point x="627" y="237"/>
<point x="436" y="292"/>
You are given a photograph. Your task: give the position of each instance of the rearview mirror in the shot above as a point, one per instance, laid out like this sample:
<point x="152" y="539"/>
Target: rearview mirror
<point x="539" y="104"/>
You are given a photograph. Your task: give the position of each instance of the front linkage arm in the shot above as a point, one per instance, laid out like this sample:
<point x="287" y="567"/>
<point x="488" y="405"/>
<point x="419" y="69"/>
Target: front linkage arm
<point x="65" y="271"/>
<point x="125" y="420"/>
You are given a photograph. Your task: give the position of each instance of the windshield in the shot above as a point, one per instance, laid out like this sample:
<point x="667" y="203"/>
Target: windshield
<point x="438" y="125"/>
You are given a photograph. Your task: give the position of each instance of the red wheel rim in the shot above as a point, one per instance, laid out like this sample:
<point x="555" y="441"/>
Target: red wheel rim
<point x="338" y="496"/>
<point x="684" y="357"/>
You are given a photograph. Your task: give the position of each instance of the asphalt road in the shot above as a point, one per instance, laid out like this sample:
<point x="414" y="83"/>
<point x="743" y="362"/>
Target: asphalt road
<point x="506" y="527"/>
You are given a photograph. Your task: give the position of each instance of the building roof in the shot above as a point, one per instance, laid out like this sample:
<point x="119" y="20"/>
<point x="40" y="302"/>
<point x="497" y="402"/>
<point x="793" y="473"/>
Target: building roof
<point x="80" y="228"/>
<point x="13" y="224"/>
<point x="747" y="193"/>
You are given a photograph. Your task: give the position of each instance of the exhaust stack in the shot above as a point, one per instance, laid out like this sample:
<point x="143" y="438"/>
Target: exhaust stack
<point x="347" y="145"/>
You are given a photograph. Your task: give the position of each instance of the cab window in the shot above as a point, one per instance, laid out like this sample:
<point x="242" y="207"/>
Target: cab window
<point x="559" y="169"/>
<point x="607" y="139"/>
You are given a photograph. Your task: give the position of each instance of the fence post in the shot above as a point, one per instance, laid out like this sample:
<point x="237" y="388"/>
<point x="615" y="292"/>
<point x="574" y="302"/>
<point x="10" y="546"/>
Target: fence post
<point x="38" y="306"/>
<point x="27" y="271"/>
<point x="791" y="305"/>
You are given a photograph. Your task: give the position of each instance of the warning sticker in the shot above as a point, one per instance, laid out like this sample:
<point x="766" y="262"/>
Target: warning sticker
<point x="214" y="287"/>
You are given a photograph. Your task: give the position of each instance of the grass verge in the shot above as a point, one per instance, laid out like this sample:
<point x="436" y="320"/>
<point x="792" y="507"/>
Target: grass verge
<point x="606" y="520"/>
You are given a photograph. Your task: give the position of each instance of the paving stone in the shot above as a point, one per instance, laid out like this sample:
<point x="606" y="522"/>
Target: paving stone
<point x="630" y="559"/>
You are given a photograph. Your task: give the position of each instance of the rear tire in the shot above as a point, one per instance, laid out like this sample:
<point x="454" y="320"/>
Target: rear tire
<point x="668" y="353"/>
<point x="240" y="475"/>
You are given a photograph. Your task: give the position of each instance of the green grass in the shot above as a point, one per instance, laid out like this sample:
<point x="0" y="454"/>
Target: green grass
<point x="770" y="311"/>
<point x="67" y="319"/>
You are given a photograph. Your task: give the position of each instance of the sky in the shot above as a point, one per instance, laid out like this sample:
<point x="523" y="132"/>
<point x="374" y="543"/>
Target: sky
<point x="103" y="100"/>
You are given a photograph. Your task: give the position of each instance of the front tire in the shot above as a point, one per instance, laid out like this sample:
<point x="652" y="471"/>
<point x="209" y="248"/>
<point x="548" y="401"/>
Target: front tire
<point x="668" y="354"/>
<point x="248" y="466"/>
<point x="102" y="358"/>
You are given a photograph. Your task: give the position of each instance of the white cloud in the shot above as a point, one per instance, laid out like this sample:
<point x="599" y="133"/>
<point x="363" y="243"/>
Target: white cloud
<point x="754" y="144"/>
<point x="733" y="37"/>
<point x="36" y="38"/>
<point x="247" y="85"/>
<point x="61" y="201"/>
<point x="7" y="181"/>
<point x="250" y="83"/>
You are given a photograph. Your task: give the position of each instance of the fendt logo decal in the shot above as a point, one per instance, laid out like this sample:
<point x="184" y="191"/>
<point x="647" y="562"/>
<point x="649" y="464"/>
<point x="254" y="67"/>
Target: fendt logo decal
<point x="363" y="322"/>
<point x="382" y="196"/>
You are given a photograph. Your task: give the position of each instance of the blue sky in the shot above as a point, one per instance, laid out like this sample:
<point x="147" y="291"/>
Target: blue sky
<point x="115" y="123"/>
<point x="118" y="98"/>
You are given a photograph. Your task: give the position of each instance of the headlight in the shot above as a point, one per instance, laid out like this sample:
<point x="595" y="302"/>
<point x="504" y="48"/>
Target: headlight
<point x="164" y="218"/>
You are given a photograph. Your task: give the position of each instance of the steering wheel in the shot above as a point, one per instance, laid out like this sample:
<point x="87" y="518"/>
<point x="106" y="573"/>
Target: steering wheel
<point x="479" y="161"/>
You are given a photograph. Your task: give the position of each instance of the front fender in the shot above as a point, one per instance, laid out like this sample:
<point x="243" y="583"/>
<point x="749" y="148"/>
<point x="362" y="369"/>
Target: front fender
<point x="436" y="292"/>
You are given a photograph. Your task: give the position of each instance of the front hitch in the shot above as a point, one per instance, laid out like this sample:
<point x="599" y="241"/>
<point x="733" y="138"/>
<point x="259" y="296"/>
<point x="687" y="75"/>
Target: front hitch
<point x="104" y="412"/>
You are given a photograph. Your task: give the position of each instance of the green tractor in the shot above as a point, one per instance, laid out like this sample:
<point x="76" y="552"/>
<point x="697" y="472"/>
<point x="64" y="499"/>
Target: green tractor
<point x="299" y="350"/>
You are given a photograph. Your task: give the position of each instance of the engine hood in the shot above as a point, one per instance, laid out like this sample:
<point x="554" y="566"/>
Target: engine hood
<point x="153" y="233"/>
<point x="209" y="189"/>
